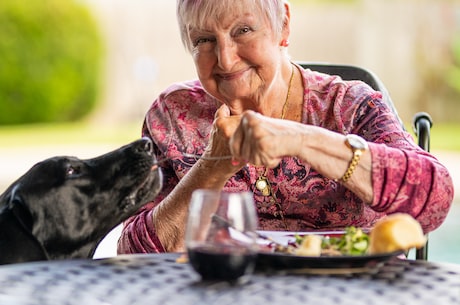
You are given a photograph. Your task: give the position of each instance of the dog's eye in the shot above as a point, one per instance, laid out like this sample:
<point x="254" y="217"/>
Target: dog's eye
<point x="72" y="171"/>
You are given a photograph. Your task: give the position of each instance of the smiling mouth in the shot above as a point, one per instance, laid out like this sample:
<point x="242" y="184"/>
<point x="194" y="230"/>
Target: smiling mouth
<point x="232" y="76"/>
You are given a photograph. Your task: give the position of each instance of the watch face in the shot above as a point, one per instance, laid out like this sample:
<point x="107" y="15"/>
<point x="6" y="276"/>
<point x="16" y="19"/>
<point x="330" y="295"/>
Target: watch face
<point x="356" y="141"/>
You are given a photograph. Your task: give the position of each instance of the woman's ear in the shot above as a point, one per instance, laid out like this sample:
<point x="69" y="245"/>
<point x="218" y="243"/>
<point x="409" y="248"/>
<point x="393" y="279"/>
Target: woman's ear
<point x="287" y="8"/>
<point x="286" y="31"/>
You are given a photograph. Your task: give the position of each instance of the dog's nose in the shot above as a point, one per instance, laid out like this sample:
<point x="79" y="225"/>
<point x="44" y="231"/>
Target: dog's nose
<point x="145" y="145"/>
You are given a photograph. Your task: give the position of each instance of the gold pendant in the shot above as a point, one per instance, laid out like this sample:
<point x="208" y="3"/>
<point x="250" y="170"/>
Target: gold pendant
<point x="263" y="185"/>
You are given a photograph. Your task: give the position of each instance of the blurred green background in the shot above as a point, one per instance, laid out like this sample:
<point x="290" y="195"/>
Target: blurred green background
<point x="86" y="71"/>
<point x="51" y="55"/>
<point x="99" y="62"/>
<point x="77" y="76"/>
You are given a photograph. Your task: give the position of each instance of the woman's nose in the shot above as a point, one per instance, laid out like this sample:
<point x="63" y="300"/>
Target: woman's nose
<point x="227" y="54"/>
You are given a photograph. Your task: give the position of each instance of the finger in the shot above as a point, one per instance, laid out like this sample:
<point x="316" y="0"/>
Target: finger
<point x="246" y="141"/>
<point x="222" y="112"/>
<point x="258" y="145"/>
<point x="272" y="163"/>
<point x="236" y="140"/>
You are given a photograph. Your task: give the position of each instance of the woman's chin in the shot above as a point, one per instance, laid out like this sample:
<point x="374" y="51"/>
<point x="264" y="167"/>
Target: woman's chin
<point x="235" y="91"/>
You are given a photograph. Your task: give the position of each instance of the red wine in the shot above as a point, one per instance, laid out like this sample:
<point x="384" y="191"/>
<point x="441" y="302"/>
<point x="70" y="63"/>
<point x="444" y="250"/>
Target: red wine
<point x="223" y="264"/>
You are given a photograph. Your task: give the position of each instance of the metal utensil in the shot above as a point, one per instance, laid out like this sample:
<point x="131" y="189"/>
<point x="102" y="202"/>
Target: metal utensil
<point x="223" y="222"/>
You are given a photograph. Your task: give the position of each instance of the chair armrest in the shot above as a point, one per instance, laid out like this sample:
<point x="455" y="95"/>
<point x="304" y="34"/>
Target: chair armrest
<point x="421" y="124"/>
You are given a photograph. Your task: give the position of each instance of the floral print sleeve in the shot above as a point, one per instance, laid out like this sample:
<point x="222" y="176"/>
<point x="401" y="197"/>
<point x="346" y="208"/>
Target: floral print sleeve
<point x="178" y="122"/>
<point x="405" y="178"/>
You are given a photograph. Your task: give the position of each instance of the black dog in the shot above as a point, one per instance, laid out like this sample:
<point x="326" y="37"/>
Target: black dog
<point x="63" y="206"/>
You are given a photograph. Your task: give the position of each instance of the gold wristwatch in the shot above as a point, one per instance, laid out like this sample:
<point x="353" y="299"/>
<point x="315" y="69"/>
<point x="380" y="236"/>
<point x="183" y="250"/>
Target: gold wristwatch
<point x="358" y="145"/>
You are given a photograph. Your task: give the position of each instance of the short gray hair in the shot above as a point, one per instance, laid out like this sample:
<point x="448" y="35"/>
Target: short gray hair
<point x="196" y="13"/>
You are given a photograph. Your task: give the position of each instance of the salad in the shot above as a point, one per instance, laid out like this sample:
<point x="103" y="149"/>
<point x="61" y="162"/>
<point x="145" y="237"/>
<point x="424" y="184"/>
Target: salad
<point x="353" y="242"/>
<point x="392" y="233"/>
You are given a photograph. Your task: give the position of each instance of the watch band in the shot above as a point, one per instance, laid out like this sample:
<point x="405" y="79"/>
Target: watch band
<point x="358" y="146"/>
<point x="353" y="163"/>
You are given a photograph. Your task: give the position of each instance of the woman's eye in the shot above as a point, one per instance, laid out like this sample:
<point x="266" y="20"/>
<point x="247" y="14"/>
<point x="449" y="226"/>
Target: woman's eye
<point x="242" y="31"/>
<point x="200" y="41"/>
<point x="245" y="30"/>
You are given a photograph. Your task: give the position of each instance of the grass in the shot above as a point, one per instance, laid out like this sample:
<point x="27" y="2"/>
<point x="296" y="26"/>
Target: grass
<point x="68" y="133"/>
<point x="444" y="137"/>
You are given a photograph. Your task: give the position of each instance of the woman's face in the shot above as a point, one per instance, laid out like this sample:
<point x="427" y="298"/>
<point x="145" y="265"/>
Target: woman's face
<point x="237" y="56"/>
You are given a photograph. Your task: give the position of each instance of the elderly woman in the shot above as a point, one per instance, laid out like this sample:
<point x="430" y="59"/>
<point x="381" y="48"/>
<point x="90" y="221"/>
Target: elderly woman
<point x="317" y="152"/>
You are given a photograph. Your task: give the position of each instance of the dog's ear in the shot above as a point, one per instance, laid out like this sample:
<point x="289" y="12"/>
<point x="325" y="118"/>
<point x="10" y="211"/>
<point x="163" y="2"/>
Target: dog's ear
<point x="17" y="222"/>
<point x="16" y="204"/>
<point x="11" y="195"/>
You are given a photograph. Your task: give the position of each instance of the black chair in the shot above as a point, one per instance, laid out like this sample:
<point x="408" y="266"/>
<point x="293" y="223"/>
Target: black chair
<point x="421" y="123"/>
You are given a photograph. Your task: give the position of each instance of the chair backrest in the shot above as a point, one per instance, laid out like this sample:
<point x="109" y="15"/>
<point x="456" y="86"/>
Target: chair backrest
<point x="350" y="72"/>
<point x="421" y="123"/>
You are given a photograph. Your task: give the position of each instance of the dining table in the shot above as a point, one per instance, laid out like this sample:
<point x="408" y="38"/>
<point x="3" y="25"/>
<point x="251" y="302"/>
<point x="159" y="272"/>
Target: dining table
<point x="169" y="279"/>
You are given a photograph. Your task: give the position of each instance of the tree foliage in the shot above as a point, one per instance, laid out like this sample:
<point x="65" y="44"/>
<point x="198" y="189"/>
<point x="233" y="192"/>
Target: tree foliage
<point x="51" y="55"/>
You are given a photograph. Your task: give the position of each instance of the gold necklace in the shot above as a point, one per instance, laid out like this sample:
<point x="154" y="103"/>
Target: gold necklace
<point x="262" y="183"/>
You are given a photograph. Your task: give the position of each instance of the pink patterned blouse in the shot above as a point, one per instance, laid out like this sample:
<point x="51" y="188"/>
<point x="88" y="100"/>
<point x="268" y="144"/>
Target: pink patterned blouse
<point x="405" y="178"/>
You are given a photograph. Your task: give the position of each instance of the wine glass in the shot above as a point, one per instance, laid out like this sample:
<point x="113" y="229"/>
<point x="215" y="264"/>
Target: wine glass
<point x="221" y="235"/>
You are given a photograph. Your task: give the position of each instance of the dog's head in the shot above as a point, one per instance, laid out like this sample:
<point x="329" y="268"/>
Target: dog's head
<point x="74" y="203"/>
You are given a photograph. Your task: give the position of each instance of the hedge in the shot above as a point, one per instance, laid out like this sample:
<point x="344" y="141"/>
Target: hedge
<point x="51" y="53"/>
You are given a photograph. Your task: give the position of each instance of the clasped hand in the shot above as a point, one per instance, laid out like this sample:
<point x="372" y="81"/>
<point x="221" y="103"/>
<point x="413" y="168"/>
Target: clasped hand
<point x="251" y="138"/>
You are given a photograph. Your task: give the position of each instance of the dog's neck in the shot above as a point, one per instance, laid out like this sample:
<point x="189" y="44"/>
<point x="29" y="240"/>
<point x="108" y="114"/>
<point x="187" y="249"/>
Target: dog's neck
<point x="25" y="220"/>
